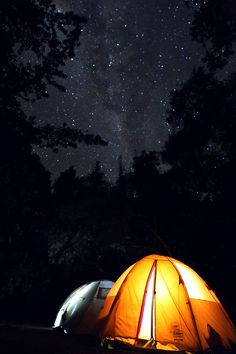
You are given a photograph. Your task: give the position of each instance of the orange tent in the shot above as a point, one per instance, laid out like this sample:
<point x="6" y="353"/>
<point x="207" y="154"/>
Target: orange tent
<point x="161" y="303"/>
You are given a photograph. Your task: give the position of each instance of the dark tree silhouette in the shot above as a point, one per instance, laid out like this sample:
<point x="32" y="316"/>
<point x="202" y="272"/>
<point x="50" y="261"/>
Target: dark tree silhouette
<point x="78" y="229"/>
<point x="201" y="150"/>
<point x="214" y="26"/>
<point x="150" y="194"/>
<point x="202" y="143"/>
<point x="203" y="109"/>
<point x="37" y="41"/>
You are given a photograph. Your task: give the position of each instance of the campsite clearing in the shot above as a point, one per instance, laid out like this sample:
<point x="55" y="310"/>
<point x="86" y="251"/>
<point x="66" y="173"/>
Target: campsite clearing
<point x="44" y="340"/>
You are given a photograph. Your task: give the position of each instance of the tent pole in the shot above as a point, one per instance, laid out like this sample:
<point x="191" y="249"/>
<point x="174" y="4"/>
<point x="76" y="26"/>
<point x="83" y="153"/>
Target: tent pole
<point x="153" y="319"/>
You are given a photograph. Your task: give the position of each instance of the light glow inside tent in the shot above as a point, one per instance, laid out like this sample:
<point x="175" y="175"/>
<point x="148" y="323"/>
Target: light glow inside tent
<point x="147" y="328"/>
<point x="196" y="287"/>
<point x="161" y="303"/>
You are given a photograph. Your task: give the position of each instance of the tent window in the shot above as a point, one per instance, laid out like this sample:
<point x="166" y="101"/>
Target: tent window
<point x="102" y="293"/>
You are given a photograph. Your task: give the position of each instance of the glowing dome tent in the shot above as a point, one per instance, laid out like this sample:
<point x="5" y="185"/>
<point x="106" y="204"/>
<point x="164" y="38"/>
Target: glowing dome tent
<point x="161" y="303"/>
<point x="79" y="312"/>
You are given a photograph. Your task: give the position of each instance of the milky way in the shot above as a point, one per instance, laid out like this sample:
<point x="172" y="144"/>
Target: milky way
<point x="132" y="53"/>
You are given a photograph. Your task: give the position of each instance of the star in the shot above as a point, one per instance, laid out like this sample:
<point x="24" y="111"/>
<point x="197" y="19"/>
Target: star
<point x="131" y="56"/>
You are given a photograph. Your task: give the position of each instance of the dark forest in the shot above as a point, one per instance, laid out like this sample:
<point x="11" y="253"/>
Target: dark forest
<point x="58" y="234"/>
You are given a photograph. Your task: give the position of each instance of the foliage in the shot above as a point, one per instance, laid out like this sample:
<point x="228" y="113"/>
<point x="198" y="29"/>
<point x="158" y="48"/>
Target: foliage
<point x="37" y="42"/>
<point x="56" y="237"/>
<point x="214" y="26"/>
<point x="201" y="150"/>
<point x="202" y="143"/>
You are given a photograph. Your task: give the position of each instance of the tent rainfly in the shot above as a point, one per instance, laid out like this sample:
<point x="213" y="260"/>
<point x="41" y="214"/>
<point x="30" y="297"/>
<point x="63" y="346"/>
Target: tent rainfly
<point x="78" y="314"/>
<point x="161" y="303"/>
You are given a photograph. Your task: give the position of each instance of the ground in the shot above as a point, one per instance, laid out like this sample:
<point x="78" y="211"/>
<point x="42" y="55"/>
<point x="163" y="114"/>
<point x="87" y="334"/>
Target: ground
<point x="44" y="340"/>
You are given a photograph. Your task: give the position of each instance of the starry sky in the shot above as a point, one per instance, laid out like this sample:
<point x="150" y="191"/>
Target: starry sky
<point x="132" y="54"/>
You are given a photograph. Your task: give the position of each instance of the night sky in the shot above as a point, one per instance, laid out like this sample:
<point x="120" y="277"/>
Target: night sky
<point x="132" y="53"/>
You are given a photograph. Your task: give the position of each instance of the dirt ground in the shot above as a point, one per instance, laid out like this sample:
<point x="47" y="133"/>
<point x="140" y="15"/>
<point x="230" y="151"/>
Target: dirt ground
<point x="44" y="340"/>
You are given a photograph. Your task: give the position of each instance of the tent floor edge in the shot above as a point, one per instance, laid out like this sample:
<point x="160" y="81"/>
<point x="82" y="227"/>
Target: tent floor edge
<point x="118" y="345"/>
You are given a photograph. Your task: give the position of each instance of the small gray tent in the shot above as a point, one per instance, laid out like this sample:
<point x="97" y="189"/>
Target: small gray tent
<point x="79" y="312"/>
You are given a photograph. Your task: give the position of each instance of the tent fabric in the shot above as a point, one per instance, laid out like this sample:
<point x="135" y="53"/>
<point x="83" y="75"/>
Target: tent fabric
<point x="79" y="312"/>
<point x="161" y="303"/>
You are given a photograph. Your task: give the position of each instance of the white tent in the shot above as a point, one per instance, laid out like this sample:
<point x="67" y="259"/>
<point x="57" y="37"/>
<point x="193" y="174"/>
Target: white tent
<point x="79" y="312"/>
